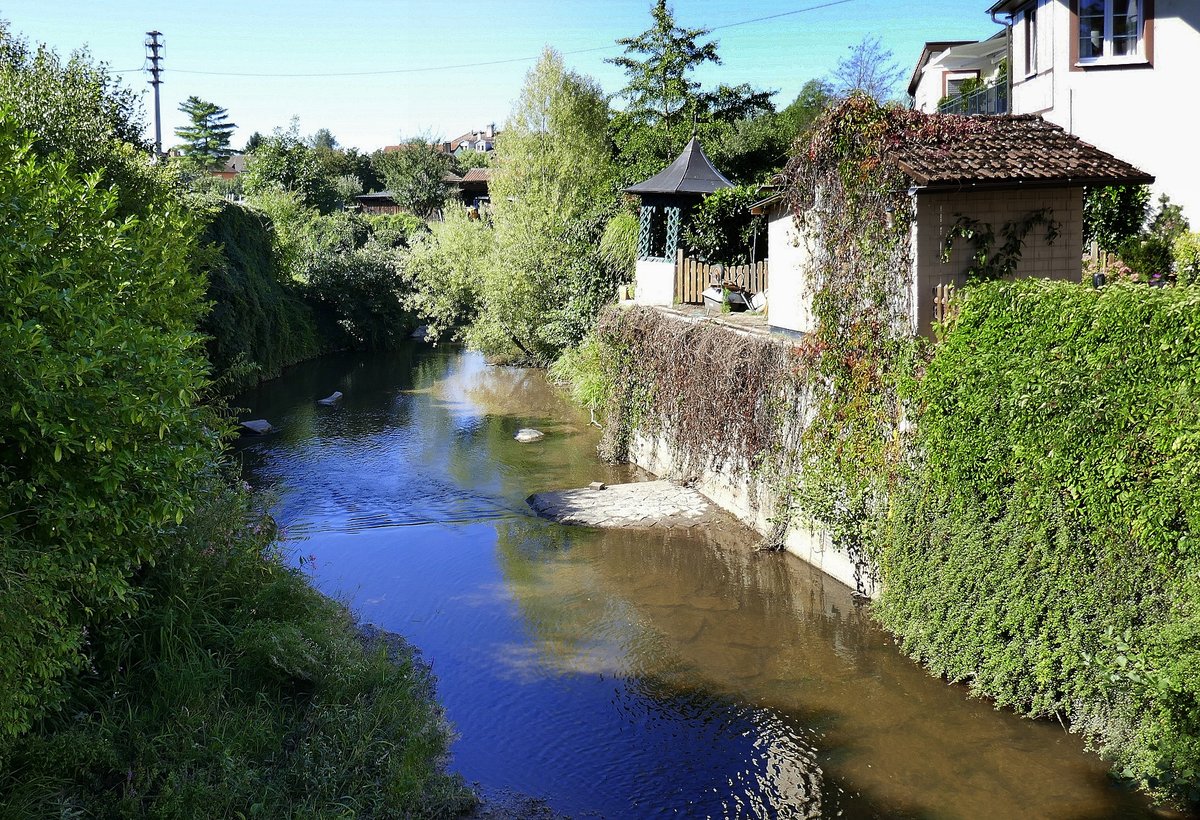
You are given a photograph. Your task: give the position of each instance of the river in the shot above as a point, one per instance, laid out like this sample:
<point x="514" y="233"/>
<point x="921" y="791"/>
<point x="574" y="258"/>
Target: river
<point x="616" y="673"/>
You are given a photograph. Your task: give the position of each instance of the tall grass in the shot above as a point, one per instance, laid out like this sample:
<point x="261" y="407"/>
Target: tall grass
<point x="237" y="690"/>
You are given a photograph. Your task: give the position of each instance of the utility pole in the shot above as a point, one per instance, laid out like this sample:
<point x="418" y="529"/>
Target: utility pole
<point x="153" y="47"/>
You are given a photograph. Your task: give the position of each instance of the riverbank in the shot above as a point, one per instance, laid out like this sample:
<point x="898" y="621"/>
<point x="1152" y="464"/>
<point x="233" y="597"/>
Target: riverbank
<point x="1023" y="494"/>
<point x="237" y="689"/>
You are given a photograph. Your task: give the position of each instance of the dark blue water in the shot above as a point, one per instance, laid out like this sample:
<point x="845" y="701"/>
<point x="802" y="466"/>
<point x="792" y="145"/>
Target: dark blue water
<point x="615" y="673"/>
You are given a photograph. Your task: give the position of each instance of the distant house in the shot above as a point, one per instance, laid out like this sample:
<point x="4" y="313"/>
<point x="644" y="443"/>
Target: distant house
<point x="234" y="165"/>
<point x="483" y="140"/>
<point x="381" y="202"/>
<point x="1002" y="172"/>
<point x="944" y="67"/>
<point x="1120" y="74"/>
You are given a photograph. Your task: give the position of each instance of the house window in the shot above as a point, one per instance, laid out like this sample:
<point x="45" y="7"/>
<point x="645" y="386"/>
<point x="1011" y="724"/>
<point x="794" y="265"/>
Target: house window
<point x="1031" y="60"/>
<point x="1110" y="30"/>
<point x="955" y="79"/>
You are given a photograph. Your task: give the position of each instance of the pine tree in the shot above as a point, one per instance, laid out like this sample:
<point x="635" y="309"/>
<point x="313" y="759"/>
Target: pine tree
<point x="206" y="140"/>
<point x="659" y="88"/>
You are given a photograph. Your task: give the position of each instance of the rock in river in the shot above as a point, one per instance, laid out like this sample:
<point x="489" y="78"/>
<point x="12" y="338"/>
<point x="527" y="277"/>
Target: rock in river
<point x="528" y="434"/>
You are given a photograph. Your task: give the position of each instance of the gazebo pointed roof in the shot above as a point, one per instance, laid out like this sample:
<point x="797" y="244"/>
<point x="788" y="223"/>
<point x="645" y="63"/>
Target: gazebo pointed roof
<point x="690" y="173"/>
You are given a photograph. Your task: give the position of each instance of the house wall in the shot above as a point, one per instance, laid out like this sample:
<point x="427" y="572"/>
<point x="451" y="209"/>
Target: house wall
<point x="937" y="212"/>
<point x="654" y="282"/>
<point x="1138" y="112"/>
<point x="789" y="305"/>
<point x="931" y="87"/>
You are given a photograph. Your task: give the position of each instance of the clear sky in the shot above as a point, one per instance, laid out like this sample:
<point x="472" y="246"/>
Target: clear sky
<point x="381" y="70"/>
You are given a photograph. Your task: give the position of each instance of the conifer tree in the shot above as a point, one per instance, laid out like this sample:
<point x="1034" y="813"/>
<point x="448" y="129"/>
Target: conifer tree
<point x="206" y="140"/>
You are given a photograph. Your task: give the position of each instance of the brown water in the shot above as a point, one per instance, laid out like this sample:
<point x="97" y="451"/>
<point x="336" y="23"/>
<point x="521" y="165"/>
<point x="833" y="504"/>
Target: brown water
<point x="616" y="673"/>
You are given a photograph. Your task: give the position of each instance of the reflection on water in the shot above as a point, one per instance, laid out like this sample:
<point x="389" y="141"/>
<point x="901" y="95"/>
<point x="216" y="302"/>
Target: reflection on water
<point x="617" y="673"/>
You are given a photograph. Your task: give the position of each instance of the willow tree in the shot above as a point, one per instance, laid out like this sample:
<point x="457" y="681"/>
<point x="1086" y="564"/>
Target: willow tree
<point x="551" y="189"/>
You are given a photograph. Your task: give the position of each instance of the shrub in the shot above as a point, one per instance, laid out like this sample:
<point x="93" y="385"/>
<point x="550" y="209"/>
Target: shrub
<point x="721" y="228"/>
<point x="358" y="295"/>
<point x="1044" y="545"/>
<point x="258" y="324"/>
<point x="1113" y="214"/>
<point x="100" y="368"/>
<point x="1186" y="256"/>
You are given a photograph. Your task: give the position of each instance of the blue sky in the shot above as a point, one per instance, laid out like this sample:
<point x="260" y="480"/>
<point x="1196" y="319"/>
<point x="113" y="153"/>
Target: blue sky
<point x="421" y="42"/>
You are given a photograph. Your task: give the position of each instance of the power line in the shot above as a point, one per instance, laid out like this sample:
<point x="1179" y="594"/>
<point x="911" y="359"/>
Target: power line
<point x="508" y="61"/>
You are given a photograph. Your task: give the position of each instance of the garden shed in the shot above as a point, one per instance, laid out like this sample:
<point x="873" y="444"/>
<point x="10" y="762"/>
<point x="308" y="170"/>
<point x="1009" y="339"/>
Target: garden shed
<point x="1008" y="190"/>
<point x="666" y="198"/>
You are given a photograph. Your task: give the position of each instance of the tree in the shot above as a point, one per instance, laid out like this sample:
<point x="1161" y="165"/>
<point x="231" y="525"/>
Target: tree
<point x="869" y="68"/>
<point x="284" y="162"/>
<point x="665" y="107"/>
<point x="551" y="190"/>
<point x="256" y="139"/>
<point x="206" y="140"/>
<point x="659" y="90"/>
<point x="74" y="107"/>
<point x="102" y="367"/>
<point x="324" y="139"/>
<point x="416" y="175"/>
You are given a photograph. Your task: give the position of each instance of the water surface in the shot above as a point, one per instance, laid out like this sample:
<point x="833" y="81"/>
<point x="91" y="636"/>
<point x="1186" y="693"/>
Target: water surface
<point x="618" y="673"/>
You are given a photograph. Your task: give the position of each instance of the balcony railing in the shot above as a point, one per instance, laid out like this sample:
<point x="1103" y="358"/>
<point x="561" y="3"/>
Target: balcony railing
<point x="990" y="100"/>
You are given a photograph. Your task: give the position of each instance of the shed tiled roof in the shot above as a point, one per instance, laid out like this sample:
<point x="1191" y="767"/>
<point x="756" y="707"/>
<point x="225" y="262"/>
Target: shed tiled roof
<point x="477" y="175"/>
<point x="1008" y="150"/>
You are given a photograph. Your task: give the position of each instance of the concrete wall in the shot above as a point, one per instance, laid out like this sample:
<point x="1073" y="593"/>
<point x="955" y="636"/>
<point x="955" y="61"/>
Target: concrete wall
<point x="789" y="303"/>
<point x="734" y="490"/>
<point x="1141" y="110"/>
<point x="938" y="211"/>
<point x="654" y="282"/>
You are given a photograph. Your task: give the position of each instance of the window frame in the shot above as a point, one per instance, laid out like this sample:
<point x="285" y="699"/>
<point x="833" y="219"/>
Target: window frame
<point x="1142" y="56"/>
<point x="1030" y="22"/>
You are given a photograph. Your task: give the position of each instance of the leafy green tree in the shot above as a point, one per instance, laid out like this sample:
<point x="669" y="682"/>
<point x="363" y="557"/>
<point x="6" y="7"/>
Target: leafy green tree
<point x="206" y="139"/>
<point x="465" y="160"/>
<point x="415" y="174"/>
<point x="101" y="369"/>
<point x="445" y="271"/>
<point x="324" y="139"/>
<point x="658" y="64"/>
<point x="551" y="189"/>
<point x="814" y="99"/>
<point x="665" y="107"/>
<point x="256" y="139"/>
<point x="72" y="106"/>
<point x="285" y="162"/>
<point x="1113" y="214"/>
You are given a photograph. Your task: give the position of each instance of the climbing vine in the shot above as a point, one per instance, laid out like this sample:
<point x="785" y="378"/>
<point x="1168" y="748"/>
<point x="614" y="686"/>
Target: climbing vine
<point x="988" y="264"/>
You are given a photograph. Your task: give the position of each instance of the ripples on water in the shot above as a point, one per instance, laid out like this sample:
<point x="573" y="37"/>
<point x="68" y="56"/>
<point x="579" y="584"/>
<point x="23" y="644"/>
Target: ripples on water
<point x="622" y="674"/>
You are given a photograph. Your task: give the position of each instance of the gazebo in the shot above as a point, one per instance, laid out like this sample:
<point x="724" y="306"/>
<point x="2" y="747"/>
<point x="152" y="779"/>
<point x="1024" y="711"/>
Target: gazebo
<point x="665" y="200"/>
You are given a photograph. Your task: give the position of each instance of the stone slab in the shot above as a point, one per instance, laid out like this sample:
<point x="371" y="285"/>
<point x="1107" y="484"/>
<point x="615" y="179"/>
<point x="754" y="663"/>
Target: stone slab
<point x="640" y="505"/>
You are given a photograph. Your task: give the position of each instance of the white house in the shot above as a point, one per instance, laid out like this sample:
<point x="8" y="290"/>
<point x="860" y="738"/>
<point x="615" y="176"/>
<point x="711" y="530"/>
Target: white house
<point x="944" y="66"/>
<point x="1120" y="74"/>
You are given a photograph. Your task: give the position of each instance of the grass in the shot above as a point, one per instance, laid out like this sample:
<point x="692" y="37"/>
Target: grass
<point x="237" y="691"/>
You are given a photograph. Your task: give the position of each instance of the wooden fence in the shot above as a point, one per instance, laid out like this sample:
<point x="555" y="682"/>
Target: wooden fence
<point x="692" y="276"/>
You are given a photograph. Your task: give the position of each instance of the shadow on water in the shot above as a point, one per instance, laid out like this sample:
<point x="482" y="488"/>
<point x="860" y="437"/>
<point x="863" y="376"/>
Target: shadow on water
<point x="622" y="673"/>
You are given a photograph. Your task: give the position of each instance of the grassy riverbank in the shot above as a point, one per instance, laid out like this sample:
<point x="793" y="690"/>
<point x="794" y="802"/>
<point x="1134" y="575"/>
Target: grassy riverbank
<point x="235" y="689"/>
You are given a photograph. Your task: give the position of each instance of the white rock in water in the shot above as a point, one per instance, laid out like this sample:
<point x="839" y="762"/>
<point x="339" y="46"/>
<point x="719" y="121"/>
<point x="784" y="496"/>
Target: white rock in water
<point x="527" y="434"/>
<point x="260" y="426"/>
<point x="331" y="399"/>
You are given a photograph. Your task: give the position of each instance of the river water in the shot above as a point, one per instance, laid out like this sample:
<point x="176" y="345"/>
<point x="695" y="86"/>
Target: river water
<point x="616" y="673"/>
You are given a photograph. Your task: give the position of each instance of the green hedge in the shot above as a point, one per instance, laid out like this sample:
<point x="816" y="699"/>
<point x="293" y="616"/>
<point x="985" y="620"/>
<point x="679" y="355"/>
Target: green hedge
<point x="258" y="324"/>
<point x="1044" y="547"/>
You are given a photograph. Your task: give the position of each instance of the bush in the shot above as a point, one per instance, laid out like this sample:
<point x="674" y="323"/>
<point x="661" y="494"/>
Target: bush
<point x="358" y="294"/>
<point x="1186" y="257"/>
<point x="721" y="228"/>
<point x="235" y="689"/>
<point x="100" y="368"/>
<point x="1044" y="546"/>
<point x="258" y="324"/>
<point x="445" y="271"/>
